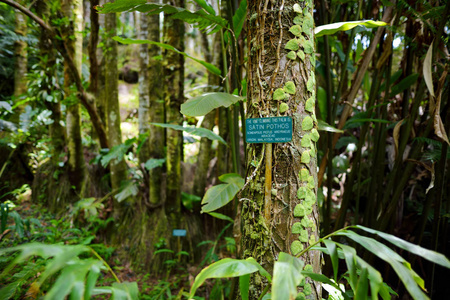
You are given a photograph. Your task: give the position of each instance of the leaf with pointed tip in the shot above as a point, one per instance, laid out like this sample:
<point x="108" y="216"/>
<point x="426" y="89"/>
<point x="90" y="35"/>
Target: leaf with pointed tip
<point x="203" y="104"/>
<point x="324" y="126"/>
<point x="226" y="268"/>
<point x="344" y="26"/>
<point x="286" y="277"/>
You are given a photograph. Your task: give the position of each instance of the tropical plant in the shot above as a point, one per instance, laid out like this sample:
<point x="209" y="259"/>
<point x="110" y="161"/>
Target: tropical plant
<point x="291" y="279"/>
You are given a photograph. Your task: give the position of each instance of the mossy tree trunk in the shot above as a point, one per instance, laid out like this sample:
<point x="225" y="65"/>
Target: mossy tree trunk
<point x="151" y="103"/>
<point x="174" y="97"/>
<point x="278" y="210"/>
<point x="47" y="49"/>
<point x="73" y="9"/>
<point x="111" y="99"/>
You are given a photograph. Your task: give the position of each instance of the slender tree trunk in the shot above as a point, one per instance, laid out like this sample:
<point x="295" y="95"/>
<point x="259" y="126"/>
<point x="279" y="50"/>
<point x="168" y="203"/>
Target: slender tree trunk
<point x="73" y="9"/>
<point x="144" y="90"/>
<point x="118" y="169"/>
<point x="20" y="83"/>
<point x="278" y="203"/>
<point x="157" y="110"/>
<point x="204" y="153"/>
<point x="174" y="97"/>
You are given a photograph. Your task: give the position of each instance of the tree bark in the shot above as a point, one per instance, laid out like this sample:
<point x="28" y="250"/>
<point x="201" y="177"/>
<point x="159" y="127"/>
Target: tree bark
<point x="77" y="165"/>
<point x="204" y="153"/>
<point x="118" y="168"/>
<point x="278" y="211"/>
<point x="174" y="97"/>
<point x="20" y="83"/>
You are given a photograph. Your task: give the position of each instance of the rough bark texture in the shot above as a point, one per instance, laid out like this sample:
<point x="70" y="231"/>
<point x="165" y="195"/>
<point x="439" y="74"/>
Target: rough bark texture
<point x="76" y="162"/>
<point x="273" y="191"/>
<point x="174" y="97"/>
<point x="118" y="169"/>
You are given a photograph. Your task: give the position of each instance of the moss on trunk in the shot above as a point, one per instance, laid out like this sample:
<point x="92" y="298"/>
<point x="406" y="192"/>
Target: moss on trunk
<point x="278" y="205"/>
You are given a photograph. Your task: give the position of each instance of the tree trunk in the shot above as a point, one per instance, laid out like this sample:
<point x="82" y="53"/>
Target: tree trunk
<point x="20" y="83"/>
<point x="204" y="153"/>
<point x="118" y="169"/>
<point x="77" y="165"/>
<point x="278" y="210"/>
<point x="174" y="97"/>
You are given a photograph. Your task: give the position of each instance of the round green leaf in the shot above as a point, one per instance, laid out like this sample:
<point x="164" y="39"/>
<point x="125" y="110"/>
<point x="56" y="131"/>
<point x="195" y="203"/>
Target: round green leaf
<point x="289" y="87"/>
<point x="292" y="55"/>
<point x="292" y="45"/>
<point x="296" y="247"/>
<point x="307" y="123"/>
<point x="283" y="107"/>
<point x="296" y="30"/>
<point x="279" y="94"/>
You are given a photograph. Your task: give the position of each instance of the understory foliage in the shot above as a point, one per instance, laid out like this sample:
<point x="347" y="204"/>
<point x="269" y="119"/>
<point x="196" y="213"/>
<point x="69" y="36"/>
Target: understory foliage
<point x="378" y="97"/>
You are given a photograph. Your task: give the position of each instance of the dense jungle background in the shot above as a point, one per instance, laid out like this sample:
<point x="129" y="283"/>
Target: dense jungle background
<point x="124" y="167"/>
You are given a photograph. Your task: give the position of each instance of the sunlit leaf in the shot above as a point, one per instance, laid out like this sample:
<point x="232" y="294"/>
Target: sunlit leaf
<point x="344" y="26"/>
<point x="203" y="104"/>
<point x="324" y="126"/>
<point x="286" y="277"/>
<point x="226" y="268"/>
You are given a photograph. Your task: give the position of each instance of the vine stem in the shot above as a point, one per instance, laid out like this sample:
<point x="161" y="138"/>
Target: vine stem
<point x="106" y="264"/>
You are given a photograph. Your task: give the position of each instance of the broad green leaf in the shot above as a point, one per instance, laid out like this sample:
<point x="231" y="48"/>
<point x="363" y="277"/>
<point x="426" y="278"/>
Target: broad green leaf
<point x="410" y="279"/>
<point x="221" y="216"/>
<point x="429" y="255"/>
<point x="203" y="104"/>
<point x="279" y="94"/>
<point x="226" y="268"/>
<point x="292" y="45"/>
<point x="296" y="30"/>
<point x="126" y="290"/>
<point x="201" y="132"/>
<point x="213" y="69"/>
<point x="232" y="178"/>
<point x="239" y="18"/>
<point x="404" y="84"/>
<point x="220" y="195"/>
<point x="117" y="152"/>
<point x="128" y="190"/>
<point x="154" y="163"/>
<point x="284" y="107"/>
<point x="307" y="123"/>
<point x="286" y="277"/>
<point x="344" y="26"/>
<point x="324" y="126"/>
<point x="289" y="87"/>
<point x="427" y="73"/>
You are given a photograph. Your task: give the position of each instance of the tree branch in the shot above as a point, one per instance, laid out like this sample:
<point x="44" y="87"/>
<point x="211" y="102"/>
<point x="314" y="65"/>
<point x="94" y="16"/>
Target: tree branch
<point x="62" y="49"/>
<point x="27" y="12"/>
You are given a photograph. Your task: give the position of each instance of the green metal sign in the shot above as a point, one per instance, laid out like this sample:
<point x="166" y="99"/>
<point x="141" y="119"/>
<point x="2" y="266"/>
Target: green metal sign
<point x="269" y="130"/>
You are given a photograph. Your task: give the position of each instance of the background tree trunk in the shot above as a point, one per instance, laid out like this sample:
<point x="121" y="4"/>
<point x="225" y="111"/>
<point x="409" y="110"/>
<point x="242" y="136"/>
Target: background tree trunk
<point x="77" y="165"/>
<point x="275" y="191"/>
<point x="118" y="169"/>
<point x="174" y="97"/>
<point x="20" y="83"/>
